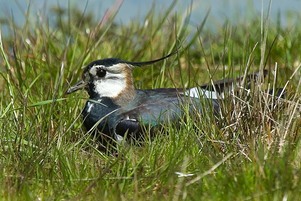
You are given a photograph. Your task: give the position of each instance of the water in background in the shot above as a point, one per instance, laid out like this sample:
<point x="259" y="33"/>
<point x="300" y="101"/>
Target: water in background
<point x="285" y="13"/>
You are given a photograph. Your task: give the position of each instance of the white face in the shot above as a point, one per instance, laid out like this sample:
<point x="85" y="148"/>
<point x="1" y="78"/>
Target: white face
<point x="110" y="81"/>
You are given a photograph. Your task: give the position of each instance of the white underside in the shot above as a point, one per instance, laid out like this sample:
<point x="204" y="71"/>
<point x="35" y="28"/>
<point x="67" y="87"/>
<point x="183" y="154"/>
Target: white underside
<point x="196" y="92"/>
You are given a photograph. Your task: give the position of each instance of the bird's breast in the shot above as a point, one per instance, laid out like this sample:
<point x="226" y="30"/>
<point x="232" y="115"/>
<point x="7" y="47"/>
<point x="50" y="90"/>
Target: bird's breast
<point x="97" y="114"/>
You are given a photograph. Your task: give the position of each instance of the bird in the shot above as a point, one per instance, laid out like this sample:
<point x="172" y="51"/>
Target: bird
<point x="117" y="111"/>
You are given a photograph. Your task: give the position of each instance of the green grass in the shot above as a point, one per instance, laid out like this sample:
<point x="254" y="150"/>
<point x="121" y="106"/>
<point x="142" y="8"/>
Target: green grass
<point x="253" y="153"/>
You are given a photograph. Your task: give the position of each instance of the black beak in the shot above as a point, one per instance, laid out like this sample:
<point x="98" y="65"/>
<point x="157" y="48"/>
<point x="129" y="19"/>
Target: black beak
<point x="79" y="85"/>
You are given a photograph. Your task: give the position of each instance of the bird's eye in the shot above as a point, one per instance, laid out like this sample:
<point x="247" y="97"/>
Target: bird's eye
<point x="101" y="72"/>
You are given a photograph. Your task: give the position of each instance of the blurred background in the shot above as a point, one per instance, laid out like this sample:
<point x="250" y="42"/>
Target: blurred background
<point x="284" y="13"/>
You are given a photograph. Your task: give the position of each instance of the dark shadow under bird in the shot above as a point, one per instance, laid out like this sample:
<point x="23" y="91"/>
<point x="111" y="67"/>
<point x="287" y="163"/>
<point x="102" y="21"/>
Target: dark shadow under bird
<point x="116" y="109"/>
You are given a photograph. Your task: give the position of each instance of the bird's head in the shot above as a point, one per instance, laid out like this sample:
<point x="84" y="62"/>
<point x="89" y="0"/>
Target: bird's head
<point x="110" y="78"/>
